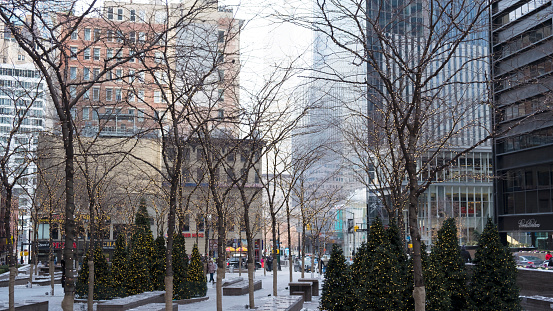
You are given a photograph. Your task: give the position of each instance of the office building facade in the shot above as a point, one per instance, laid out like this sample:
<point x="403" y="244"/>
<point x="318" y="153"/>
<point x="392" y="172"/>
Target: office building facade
<point x="522" y="47"/>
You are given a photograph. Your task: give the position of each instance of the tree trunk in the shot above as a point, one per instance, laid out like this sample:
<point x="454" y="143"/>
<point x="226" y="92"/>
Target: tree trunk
<point x="419" y="291"/>
<point x="31" y="270"/>
<point x="274" y="233"/>
<point x="290" y="258"/>
<point x="51" y="255"/>
<point x="170" y="232"/>
<point x="90" y="301"/>
<point x="303" y="252"/>
<point x="68" y="251"/>
<point x="220" y="256"/>
<point x="12" y="263"/>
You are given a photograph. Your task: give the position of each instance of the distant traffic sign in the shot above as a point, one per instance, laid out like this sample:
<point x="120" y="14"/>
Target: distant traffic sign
<point x="361" y="230"/>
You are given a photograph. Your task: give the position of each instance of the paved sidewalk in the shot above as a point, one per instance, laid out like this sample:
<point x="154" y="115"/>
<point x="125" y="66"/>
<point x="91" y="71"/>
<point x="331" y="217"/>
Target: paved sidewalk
<point x="231" y="303"/>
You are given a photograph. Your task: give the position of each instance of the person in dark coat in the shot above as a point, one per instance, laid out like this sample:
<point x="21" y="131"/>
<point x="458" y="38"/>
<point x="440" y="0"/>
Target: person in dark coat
<point x="465" y="254"/>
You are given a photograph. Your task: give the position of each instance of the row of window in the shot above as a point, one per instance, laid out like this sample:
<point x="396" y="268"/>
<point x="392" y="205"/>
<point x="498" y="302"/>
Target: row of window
<point x="518" y="12"/>
<point x="21" y="84"/>
<point x="524" y="108"/>
<point x="117" y="75"/>
<point x="96" y="54"/>
<point x="119" y="36"/>
<point x="19" y="73"/>
<point x="94" y="112"/>
<point x="534" y="139"/>
<point x="160" y="17"/>
<point x="20" y="103"/>
<point x="524" y="74"/>
<point x="201" y="175"/>
<point x="537" y="177"/>
<point x="26" y="121"/>
<point x="522" y="202"/>
<point x="519" y="42"/>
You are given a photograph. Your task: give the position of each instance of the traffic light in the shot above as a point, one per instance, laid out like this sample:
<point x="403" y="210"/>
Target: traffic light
<point x="350" y="225"/>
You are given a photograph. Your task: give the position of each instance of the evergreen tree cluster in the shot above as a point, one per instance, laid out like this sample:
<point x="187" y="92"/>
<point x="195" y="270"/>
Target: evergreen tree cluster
<point x="139" y="266"/>
<point x="381" y="275"/>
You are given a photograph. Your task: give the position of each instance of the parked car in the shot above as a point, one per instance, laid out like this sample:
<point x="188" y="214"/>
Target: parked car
<point x="529" y="261"/>
<point x="307" y="264"/>
<point x="235" y="262"/>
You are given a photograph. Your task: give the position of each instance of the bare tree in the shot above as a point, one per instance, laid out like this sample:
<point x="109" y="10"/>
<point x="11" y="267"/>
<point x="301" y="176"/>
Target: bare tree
<point x="17" y="147"/>
<point x="411" y="72"/>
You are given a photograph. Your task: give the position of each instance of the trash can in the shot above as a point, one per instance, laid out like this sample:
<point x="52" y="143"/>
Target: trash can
<point x="231" y="268"/>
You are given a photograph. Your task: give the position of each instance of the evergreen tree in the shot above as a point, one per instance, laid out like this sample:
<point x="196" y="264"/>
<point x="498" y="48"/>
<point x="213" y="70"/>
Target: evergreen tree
<point x="363" y="267"/>
<point x="196" y="280"/>
<point x="180" y="269"/>
<point x="141" y="251"/>
<point x="102" y="280"/>
<point x="158" y="264"/>
<point x="404" y="279"/>
<point x="337" y="288"/>
<point x="119" y="268"/>
<point x="493" y="283"/>
<point x="437" y="298"/>
<point x="446" y="257"/>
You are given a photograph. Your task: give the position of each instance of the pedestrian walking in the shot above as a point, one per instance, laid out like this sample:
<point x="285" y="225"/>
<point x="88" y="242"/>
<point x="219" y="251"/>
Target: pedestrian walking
<point x="211" y="268"/>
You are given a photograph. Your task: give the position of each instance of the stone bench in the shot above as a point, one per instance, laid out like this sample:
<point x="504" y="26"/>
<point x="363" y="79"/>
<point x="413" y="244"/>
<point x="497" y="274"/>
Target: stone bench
<point x="131" y="302"/>
<point x="283" y="303"/>
<point x="305" y="287"/>
<point x="314" y="287"/>
<point x="27" y="306"/>
<point x="240" y="288"/>
<point x="536" y="302"/>
<point x="155" y="307"/>
<point x="227" y="282"/>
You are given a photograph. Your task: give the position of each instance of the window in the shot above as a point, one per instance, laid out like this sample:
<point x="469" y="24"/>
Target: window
<point x="72" y="91"/>
<point x="96" y="53"/>
<point x="86" y="73"/>
<point x="86" y="94"/>
<point x="131" y="56"/>
<point x="130" y="97"/>
<point x="109" y="94"/>
<point x="131" y="75"/>
<point x="119" y="14"/>
<point x="86" y="54"/>
<point x="120" y="36"/>
<point x="118" y="95"/>
<point x="141" y="36"/>
<point x="142" y="76"/>
<point x="132" y="36"/>
<point x="133" y="15"/>
<point x="221" y="36"/>
<point x="110" y="13"/>
<point x="87" y="34"/>
<point x="140" y="115"/>
<point x="140" y="96"/>
<point x="160" y="17"/>
<point x="110" y="36"/>
<point x="95" y="73"/>
<point x="75" y="35"/>
<point x="142" y="15"/>
<point x="221" y="74"/>
<point x="221" y="114"/>
<point x="157" y="97"/>
<point x="119" y="75"/>
<point x="109" y="75"/>
<point x="220" y="57"/>
<point x="119" y="54"/>
<point x="73" y="52"/>
<point x="96" y="34"/>
<point x="86" y="113"/>
<point x="73" y="73"/>
<point x="109" y="53"/>
<point x="158" y="57"/>
<point x="94" y="114"/>
<point x="221" y="95"/>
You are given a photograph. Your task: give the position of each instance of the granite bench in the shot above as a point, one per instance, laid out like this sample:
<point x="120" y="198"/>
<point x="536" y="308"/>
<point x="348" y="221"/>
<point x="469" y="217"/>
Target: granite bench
<point x="283" y="303"/>
<point x="240" y="288"/>
<point x="314" y="287"/>
<point x="28" y="306"/>
<point x="296" y="287"/>
<point x="155" y="307"/>
<point x="132" y="302"/>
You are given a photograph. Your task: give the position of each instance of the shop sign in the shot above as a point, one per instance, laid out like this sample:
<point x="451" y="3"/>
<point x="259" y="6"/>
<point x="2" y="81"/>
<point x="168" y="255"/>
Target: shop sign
<point x="525" y="223"/>
<point x="193" y="235"/>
